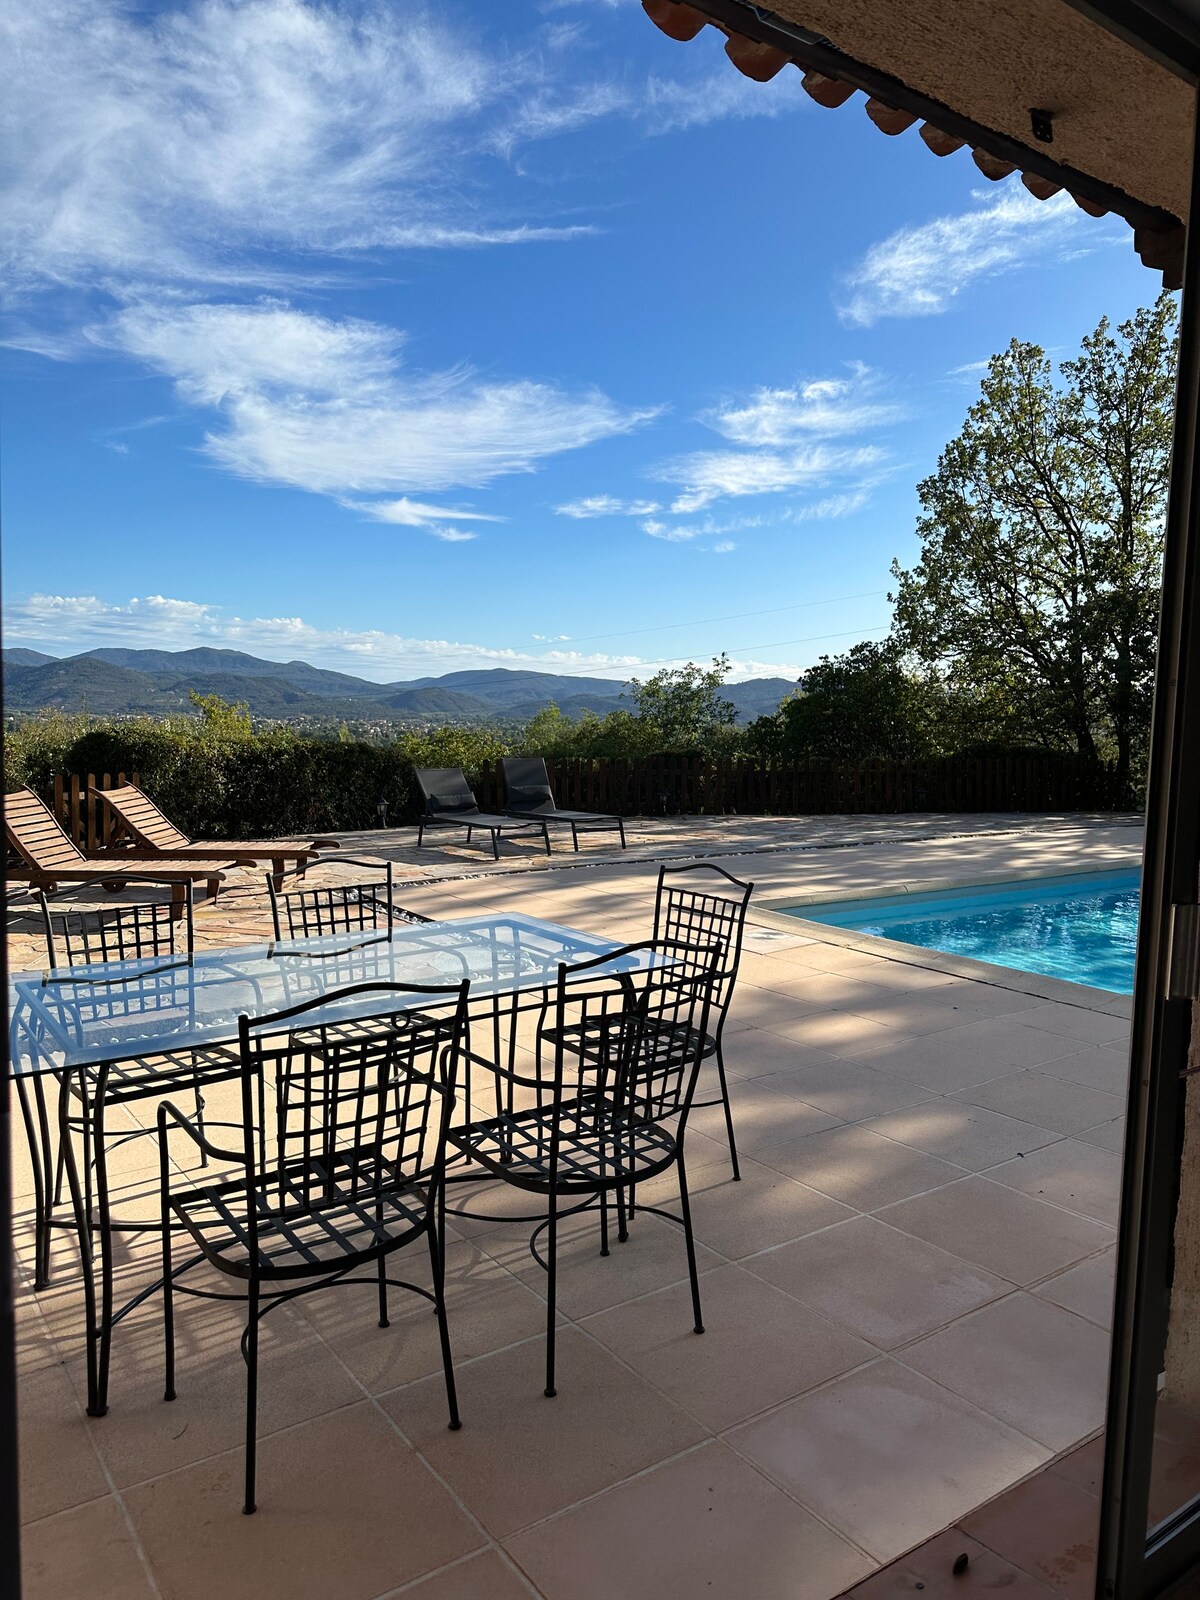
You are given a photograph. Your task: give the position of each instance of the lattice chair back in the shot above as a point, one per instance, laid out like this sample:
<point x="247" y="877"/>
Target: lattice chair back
<point x="704" y="906"/>
<point x="78" y="936"/>
<point x="352" y="1118"/>
<point x="338" y="907"/>
<point x="631" y="1041"/>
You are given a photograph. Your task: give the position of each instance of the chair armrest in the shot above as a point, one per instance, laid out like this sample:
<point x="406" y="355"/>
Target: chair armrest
<point x="169" y="1112"/>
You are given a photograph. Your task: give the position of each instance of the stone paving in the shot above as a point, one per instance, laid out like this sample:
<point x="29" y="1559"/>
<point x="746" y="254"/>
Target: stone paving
<point x="906" y="1298"/>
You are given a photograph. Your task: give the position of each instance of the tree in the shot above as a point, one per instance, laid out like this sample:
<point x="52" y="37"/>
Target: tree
<point x="683" y="706"/>
<point x="222" y="718"/>
<point x="1041" y="540"/>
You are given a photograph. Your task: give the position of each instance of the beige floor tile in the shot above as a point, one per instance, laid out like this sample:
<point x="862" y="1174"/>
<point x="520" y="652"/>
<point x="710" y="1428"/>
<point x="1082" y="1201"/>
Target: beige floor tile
<point x="519" y="1456"/>
<point x="886" y="1457"/>
<point x="883" y="1285"/>
<point x="839" y="1033"/>
<point x="1109" y="1135"/>
<point x="143" y="1436"/>
<point x="761" y="1116"/>
<point x="653" y="1256"/>
<point x="344" y="1508"/>
<point x="707" y="1524"/>
<point x="739" y="1219"/>
<point x="487" y="1308"/>
<point x="999" y="1228"/>
<point x="962" y="1058"/>
<point x="486" y="1576"/>
<point x="1049" y="1102"/>
<point x="1038" y="1368"/>
<point x="1078" y="1022"/>
<point x="860" y="1168"/>
<point x="1086" y="1289"/>
<point x="847" y="1089"/>
<point x="757" y="1054"/>
<point x="85" y="1552"/>
<point x="1098" y="1067"/>
<point x="967" y="1135"/>
<point x="58" y="1465"/>
<point x="933" y="1010"/>
<point x="758" y="1348"/>
<point x="756" y="1007"/>
<point x="1078" y="1176"/>
<point x="930" y="1567"/>
<point x="835" y="991"/>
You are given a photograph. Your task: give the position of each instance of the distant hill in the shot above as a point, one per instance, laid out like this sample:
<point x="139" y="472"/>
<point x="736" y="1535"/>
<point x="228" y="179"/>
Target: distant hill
<point x="120" y="682"/>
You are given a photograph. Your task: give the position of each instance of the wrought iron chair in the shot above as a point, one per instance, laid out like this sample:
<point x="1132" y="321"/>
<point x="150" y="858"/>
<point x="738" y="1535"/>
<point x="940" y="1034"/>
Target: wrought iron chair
<point x="705" y="907"/>
<point x="80" y="937"/>
<point x="337" y="907"/>
<point x="348" y="1168"/>
<point x="610" y="1109"/>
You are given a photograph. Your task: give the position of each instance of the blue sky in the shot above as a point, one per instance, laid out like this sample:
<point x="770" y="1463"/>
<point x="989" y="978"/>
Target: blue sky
<point x="408" y="339"/>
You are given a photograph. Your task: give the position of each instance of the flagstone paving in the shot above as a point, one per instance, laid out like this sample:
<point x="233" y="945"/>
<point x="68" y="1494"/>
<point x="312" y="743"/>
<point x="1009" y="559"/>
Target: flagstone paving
<point x="906" y="1298"/>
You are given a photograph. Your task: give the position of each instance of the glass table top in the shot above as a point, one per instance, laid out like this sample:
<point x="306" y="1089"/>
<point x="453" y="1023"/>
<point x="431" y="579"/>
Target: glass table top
<point x="120" y="1010"/>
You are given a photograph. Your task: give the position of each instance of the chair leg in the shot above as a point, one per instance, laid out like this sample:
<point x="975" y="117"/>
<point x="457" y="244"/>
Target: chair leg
<point x="622" y="1219"/>
<point x="546" y="838"/>
<point x="383" y="1295"/>
<point x="575" y="838"/>
<point x="685" y="1207"/>
<point x="621" y="826"/>
<point x="251" y="1398"/>
<point x="733" y="1155"/>
<point x="168" y="1303"/>
<point x="603" y="1223"/>
<point x="496" y="843"/>
<point x="199" y="1100"/>
<point x="420" y="834"/>
<point x="437" y="1262"/>
<point x="551" y="1288"/>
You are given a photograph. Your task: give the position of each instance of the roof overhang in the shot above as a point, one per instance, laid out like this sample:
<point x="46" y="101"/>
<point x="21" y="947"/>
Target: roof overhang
<point x="1038" y="87"/>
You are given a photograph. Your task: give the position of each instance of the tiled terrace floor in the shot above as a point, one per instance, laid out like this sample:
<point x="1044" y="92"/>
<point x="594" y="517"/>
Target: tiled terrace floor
<point x="906" y="1298"/>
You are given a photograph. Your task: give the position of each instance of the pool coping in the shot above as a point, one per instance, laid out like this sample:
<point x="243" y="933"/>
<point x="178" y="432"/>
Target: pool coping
<point x="1059" y="991"/>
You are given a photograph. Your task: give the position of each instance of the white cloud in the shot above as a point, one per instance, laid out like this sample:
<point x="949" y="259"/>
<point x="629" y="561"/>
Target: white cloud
<point x="607" y="505"/>
<point x="327" y="406"/>
<point x="830" y="507"/>
<point x="183" y="144"/>
<point x="773" y="418"/>
<point x="723" y="546"/>
<point x="672" y="533"/>
<point x="70" y="623"/>
<point x="708" y="475"/>
<point x="919" y="271"/>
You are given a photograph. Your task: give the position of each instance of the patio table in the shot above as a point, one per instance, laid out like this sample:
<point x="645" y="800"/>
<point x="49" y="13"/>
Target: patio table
<point x="86" y="1021"/>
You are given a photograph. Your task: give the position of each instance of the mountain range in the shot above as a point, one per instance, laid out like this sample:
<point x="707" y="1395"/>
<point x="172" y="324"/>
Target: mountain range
<point x="119" y="682"/>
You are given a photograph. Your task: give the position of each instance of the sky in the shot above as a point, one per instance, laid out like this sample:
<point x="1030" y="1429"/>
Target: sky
<point x="406" y="339"/>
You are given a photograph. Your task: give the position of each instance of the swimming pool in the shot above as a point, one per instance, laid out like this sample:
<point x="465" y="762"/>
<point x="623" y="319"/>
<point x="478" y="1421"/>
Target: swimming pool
<point x="1082" y="928"/>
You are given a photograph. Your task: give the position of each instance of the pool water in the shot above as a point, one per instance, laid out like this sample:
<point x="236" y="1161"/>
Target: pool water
<point x="1082" y="928"/>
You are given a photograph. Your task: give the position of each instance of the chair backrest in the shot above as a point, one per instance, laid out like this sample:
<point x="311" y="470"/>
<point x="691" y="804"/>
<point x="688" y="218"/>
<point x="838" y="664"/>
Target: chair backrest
<point x="80" y="936"/>
<point x="446" y="791"/>
<point x="34" y="833"/>
<point x="142" y="818"/>
<point x="527" y="784"/>
<point x="626" y="1037"/>
<point x="338" y="907"/>
<point x="700" y="905"/>
<point x="357" y="1111"/>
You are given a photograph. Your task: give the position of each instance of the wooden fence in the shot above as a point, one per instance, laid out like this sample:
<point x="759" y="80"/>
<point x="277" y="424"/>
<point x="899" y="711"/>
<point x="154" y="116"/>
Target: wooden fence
<point x="671" y="785"/>
<point x="677" y="785"/>
<point x="88" y="821"/>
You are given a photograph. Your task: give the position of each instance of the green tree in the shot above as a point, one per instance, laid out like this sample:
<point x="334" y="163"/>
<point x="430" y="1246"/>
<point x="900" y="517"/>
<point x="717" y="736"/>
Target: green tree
<point x="222" y="718"/>
<point x="1041" y="540"/>
<point x="683" y="706"/>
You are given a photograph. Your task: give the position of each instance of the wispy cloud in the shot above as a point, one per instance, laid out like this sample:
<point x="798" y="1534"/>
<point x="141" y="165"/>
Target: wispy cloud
<point x="817" y="407"/>
<point x="607" y="505"/>
<point x="66" y="623"/>
<point x="327" y="405"/>
<point x="919" y="271"/>
<point x="709" y="475"/>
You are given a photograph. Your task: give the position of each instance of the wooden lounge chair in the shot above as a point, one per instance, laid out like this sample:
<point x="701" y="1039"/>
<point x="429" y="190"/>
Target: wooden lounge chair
<point x="450" y="803"/>
<point x="528" y="794"/>
<point x="40" y="853"/>
<point x="145" y="834"/>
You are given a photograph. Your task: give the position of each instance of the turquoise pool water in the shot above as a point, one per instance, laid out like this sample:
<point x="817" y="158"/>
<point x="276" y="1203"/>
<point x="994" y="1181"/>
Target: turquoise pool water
<point x="1083" y="929"/>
